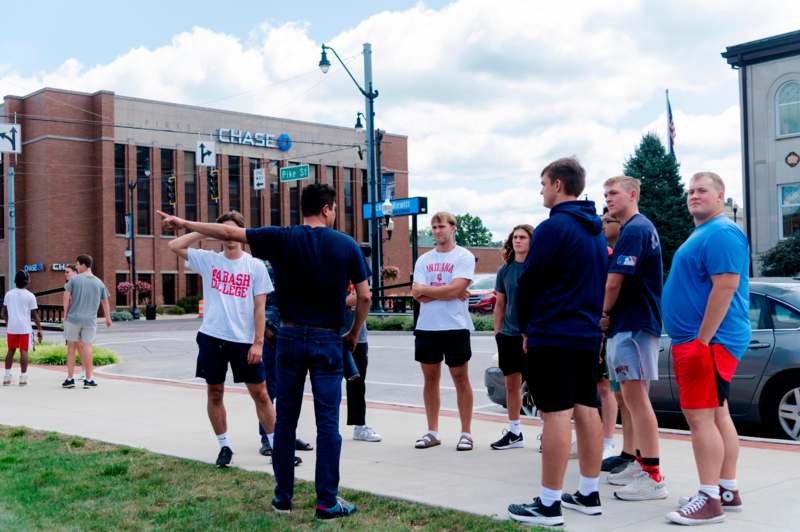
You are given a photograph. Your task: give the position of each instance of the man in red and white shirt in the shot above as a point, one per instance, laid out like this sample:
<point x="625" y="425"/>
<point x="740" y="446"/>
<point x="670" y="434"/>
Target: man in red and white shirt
<point x="235" y="288"/>
<point x="441" y="281"/>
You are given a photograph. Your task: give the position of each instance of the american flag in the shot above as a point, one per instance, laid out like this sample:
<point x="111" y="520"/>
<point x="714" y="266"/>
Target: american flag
<point x="670" y="128"/>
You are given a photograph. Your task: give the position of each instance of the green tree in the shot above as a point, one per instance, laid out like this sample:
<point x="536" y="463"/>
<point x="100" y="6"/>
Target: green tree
<point x="663" y="198"/>
<point x="470" y="231"/>
<point x="783" y="260"/>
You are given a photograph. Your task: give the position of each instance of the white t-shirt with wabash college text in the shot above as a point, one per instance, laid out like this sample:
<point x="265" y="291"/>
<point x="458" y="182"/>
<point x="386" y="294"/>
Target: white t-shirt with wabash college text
<point x="440" y="269"/>
<point x="229" y="287"/>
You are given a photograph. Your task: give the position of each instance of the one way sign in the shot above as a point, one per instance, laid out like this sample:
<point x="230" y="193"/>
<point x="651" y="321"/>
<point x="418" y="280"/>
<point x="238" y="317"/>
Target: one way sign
<point x="206" y="154"/>
<point x="10" y="138"/>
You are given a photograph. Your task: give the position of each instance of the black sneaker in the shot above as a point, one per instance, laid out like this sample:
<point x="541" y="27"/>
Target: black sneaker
<point x="297" y="461"/>
<point x="585" y="504"/>
<point x="89" y="384"/>
<point x="613" y="462"/>
<point x="508" y="441"/>
<point x="266" y="448"/>
<point x="68" y="383"/>
<point x="281" y="507"/>
<point x="536" y="513"/>
<point x="224" y="457"/>
<point x="342" y="508"/>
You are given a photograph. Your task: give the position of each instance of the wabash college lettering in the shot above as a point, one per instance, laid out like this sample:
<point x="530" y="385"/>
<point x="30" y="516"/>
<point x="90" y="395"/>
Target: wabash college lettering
<point x="229" y="284"/>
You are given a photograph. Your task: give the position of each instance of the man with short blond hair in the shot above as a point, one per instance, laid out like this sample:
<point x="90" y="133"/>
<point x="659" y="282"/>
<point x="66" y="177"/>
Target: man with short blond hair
<point x="706" y="304"/>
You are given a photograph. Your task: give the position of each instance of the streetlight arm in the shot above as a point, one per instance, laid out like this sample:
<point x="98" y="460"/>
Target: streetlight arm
<point x="366" y="94"/>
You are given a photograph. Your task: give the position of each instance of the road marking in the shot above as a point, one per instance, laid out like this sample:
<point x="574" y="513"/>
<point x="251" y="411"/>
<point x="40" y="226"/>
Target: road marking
<point x="407" y="385"/>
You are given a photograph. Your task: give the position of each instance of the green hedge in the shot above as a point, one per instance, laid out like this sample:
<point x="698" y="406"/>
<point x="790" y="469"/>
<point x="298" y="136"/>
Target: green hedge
<point x="121" y="315"/>
<point x="189" y="304"/>
<point x="482" y="322"/>
<point x="55" y="354"/>
<point x="175" y="311"/>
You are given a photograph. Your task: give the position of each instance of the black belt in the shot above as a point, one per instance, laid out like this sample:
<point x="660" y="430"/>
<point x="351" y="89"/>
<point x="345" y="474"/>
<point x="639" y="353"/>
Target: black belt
<point x="303" y="326"/>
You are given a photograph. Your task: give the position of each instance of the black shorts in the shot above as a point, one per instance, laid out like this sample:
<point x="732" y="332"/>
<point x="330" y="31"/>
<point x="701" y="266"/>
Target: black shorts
<point x="510" y="355"/>
<point x="560" y="378"/>
<point x="431" y="347"/>
<point x="214" y="355"/>
<point x="602" y="368"/>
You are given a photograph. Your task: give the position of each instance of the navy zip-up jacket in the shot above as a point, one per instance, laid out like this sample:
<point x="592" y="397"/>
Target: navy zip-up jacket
<point x="560" y="293"/>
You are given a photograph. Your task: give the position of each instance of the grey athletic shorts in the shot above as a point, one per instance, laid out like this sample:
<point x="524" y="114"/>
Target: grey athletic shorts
<point x="632" y="356"/>
<point x="82" y="333"/>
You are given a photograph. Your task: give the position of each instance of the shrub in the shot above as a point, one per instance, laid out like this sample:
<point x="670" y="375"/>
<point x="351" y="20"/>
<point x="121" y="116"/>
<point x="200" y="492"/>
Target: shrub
<point x="51" y="354"/>
<point x="483" y="322"/>
<point x="175" y="311"/>
<point x="783" y="259"/>
<point x="121" y="315"/>
<point x="391" y="323"/>
<point x="189" y="304"/>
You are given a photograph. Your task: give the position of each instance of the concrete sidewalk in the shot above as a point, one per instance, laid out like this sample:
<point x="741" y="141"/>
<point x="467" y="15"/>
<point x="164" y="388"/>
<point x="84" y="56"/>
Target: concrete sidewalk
<point x="170" y="418"/>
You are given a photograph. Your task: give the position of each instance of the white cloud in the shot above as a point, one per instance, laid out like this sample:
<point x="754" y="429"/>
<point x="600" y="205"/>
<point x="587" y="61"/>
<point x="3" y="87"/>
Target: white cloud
<point x="488" y="92"/>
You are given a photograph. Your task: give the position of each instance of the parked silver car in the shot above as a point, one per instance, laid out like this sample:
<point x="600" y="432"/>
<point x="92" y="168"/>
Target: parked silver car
<point x="766" y="386"/>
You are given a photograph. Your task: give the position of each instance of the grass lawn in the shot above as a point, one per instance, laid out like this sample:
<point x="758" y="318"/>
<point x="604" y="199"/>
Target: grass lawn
<point x="55" y="354"/>
<point x="50" y="481"/>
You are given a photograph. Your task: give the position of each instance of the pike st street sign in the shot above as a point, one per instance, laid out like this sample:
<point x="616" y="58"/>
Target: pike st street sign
<point x="294" y="173"/>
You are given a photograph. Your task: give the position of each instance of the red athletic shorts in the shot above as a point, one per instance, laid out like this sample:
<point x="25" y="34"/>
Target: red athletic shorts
<point x="703" y="373"/>
<point x="19" y="341"/>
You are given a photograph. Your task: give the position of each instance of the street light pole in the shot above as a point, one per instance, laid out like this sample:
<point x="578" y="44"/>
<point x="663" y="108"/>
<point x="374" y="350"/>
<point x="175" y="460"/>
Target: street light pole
<point x="132" y="188"/>
<point x="369" y="95"/>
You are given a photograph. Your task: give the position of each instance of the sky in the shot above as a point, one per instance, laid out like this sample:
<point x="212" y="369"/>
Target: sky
<point x="487" y="92"/>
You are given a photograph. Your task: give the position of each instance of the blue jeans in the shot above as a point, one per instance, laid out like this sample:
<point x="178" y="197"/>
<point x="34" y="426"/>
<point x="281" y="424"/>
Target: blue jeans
<point x="318" y="352"/>
<point x="268" y="357"/>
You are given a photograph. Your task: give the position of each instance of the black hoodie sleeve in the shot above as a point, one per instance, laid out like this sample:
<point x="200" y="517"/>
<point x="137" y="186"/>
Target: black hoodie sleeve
<point x="538" y="267"/>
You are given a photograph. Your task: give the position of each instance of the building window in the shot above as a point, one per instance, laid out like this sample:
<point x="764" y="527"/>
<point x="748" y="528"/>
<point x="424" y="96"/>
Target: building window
<point x="330" y="180"/>
<point x="788" y="111"/>
<point x="212" y="177"/>
<point x="387" y="188"/>
<point x="790" y="210"/>
<point x="294" y="203"/>
<point x="312" y="174"/>
<point x="2" y="203"/>
<point x="120" y="178"/>
<point x="274" y="194"/>
<point x="149" y="297"/>
<point x="192" y="285"/>
<point x="121" y="298"/>
<point x="255" y="196"/>
<point x="168" y="288"/>
<point x="234" y="183"/>
<point x="189" y="186"/>
<point x="167" y="183"/>
<point x="348" y="201"/>
<point x="143" y="222"/>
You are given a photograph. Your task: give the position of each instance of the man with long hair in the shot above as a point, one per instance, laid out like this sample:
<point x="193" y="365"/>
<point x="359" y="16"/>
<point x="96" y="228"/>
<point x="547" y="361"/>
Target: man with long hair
<point x="510" y="352"/>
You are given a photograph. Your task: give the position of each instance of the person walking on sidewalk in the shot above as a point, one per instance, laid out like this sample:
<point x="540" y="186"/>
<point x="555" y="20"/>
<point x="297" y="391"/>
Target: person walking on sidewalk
<point x="507" y="334"/>
<point x="313" y="264"/>
<point x="706" y="305"/>
<point x="19" y="306"/>
<point x="559" y="300"/>
<point x="632" y="323"/>
<point x="235" y="288"/>
<point x="441" y="281"/>
<point x="83" y="294"/>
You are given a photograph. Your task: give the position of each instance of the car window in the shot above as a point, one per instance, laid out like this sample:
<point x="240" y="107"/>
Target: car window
<point x="759" y="312"/>
<point x="784" y="317"/>
<point x="483" y="283"/>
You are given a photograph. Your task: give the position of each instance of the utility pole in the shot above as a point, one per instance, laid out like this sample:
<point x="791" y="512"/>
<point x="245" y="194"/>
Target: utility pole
<point x="12" y="227"/>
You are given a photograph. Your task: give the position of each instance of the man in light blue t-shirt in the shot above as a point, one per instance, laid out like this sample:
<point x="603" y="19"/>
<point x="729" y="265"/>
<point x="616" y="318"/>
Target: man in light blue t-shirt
<point x="705" y="306"/>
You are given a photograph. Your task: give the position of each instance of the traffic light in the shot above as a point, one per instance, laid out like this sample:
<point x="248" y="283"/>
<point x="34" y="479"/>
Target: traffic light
<point x="213" y="184"/>
<point x="171" y="190"/>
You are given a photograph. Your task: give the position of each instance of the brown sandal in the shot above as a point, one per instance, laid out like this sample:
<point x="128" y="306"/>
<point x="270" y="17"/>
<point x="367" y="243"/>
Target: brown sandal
<point x="427" y="441"/>
<point x="465" y="443"/>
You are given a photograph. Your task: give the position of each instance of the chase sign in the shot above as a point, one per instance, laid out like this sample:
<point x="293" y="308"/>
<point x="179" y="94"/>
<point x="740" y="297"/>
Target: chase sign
<point x="257" y="139"/>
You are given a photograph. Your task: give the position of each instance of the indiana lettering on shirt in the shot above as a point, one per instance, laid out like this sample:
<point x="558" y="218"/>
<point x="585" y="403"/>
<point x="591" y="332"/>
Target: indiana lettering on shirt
<point x="438" y="268"/>
<point x="229" y="284"/>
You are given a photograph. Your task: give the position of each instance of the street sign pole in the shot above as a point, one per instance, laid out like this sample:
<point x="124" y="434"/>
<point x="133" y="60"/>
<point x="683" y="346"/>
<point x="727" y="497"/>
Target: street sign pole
<point x="12" y="226"/>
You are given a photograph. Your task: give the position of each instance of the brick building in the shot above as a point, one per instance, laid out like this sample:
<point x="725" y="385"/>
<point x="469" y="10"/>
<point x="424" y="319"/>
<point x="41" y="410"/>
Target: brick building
<point x="81" y="151"/>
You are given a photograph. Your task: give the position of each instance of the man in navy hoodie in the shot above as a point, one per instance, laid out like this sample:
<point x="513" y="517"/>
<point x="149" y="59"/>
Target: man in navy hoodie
<point x="559" y="302"/>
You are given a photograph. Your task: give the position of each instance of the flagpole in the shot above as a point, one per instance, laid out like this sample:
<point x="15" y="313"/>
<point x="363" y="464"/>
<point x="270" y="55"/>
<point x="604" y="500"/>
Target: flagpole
<point x="670" y="125"/>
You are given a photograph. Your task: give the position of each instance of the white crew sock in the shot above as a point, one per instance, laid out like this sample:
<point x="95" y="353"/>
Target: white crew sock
<point x="729" y="483"/>
<point x="8" y="373"/>
<point x="222" y="439"/>
<point x="467" y="434"/>
<point x="514" y="427"/>
<point x="588" y="485"/>
<point x="548" y="496"/>
<point x="25" y="374"/>
<point x="711" y="491"/>
<point x="434" y="433"/>
<point x="271" y="439"/>
<point x="608" y="442"/>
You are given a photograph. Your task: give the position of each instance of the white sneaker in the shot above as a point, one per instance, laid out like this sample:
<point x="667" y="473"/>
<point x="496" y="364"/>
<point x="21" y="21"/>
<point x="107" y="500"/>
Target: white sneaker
<point x="366" y="434"/>
<point x="643" y="488"/>
<point x="626" y="476"/>
<point x="609" y="451"/>
<point x="23" y="380"/>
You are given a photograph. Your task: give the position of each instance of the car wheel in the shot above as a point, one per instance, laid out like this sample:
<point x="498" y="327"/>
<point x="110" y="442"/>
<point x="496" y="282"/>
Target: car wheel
<point x="528" y="408"/>
<point x="782" y="408"/>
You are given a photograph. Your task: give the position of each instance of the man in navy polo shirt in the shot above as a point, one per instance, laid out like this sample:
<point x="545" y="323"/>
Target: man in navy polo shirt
<point x="313" y="265"/>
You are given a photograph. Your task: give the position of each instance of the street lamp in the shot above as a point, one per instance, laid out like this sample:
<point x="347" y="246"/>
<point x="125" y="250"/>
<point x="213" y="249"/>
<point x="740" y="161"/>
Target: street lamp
<point x="369" y="116"/>
<point x="359" y="125"/>
<point x="386" y="208"/>
<point x="132" y="188"/>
